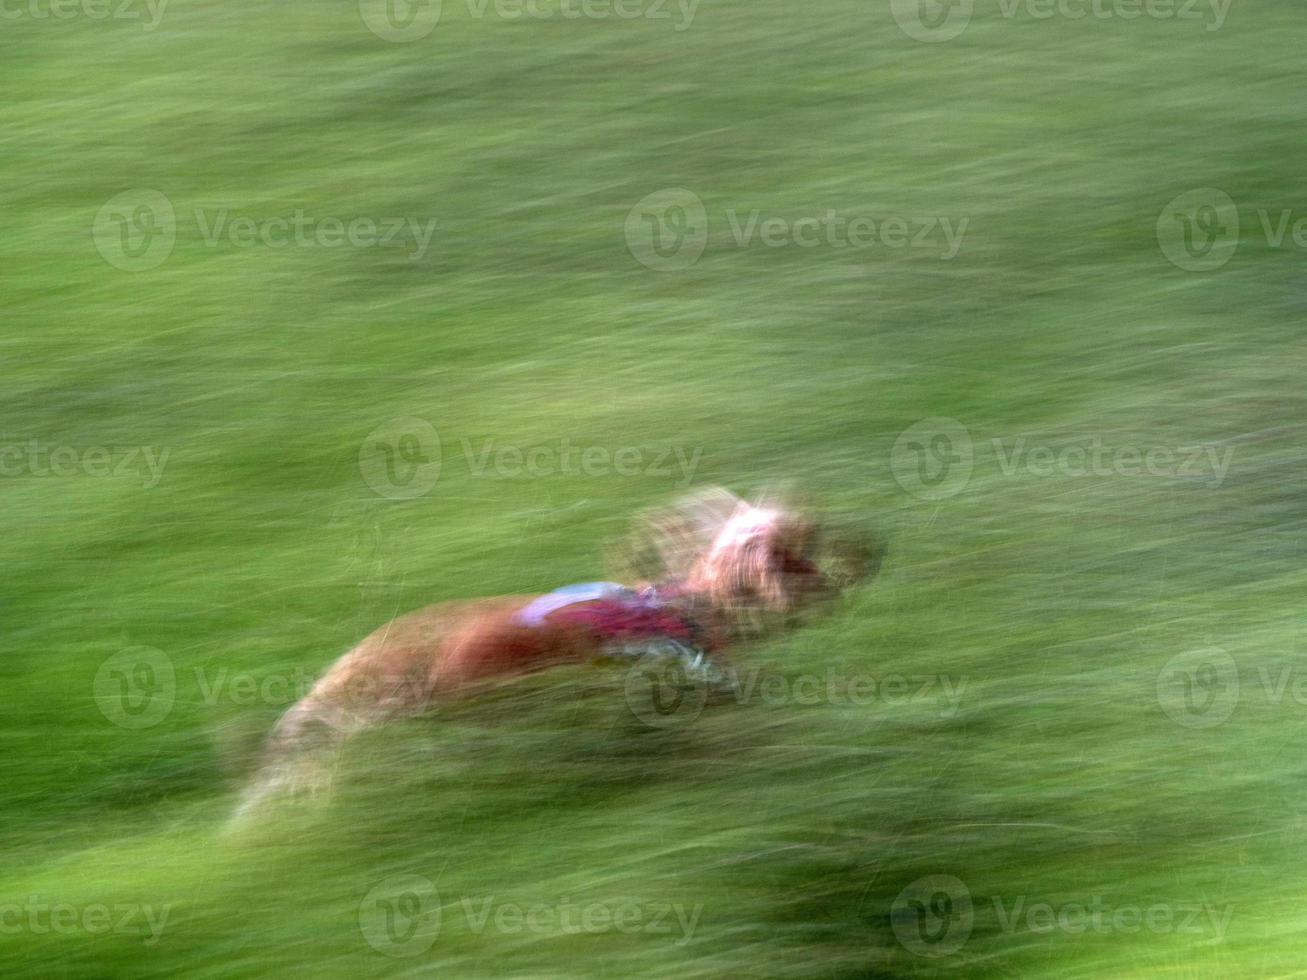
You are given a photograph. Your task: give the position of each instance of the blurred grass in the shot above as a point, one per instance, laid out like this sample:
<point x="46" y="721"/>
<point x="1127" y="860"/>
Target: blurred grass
<point x="262" y="550"/>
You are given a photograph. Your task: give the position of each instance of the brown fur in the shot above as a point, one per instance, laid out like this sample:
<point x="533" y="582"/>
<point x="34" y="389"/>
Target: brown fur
<point x="732" y="563"/>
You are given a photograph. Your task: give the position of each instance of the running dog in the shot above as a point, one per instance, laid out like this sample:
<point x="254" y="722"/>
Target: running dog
<point x="713" y="569"/>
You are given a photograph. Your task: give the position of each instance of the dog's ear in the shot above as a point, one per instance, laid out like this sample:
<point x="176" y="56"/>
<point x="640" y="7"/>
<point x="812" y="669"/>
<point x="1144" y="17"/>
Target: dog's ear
<point x="848" y="556"/>
<point x="664" y="543"/>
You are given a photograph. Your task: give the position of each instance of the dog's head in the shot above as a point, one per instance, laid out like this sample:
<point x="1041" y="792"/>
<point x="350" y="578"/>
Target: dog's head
<point x="759" y="560"/>
<point x="744" y="558"/>
<point x="739" y="556"/>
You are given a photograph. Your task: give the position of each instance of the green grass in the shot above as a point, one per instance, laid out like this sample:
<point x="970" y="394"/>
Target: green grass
<point x="1057" y="600"/>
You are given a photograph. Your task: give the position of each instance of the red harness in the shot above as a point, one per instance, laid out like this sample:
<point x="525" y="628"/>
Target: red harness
<point x="619" y="620"/>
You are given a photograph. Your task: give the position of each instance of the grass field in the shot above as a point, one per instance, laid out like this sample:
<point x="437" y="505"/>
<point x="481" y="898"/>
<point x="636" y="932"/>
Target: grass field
<point x="1082" y="720"/>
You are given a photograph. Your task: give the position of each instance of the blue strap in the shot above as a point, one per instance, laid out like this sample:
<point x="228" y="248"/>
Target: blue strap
<point x="534" y="614"/>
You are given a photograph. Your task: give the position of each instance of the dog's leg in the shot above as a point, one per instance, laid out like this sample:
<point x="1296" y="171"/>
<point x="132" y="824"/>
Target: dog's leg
<point x="301" y="756"/>
<point x="396" y="672"/>
<point x="360" y="691"/>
